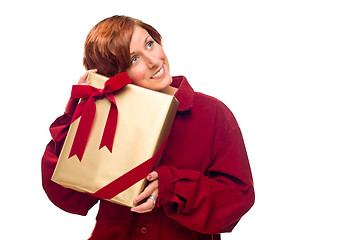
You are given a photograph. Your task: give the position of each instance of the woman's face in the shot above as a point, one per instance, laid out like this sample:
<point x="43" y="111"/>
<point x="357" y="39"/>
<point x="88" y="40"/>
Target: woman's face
<point x="149" y="66"/>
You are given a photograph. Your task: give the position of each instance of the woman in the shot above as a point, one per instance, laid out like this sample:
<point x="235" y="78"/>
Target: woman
<point x="203" y="184"/>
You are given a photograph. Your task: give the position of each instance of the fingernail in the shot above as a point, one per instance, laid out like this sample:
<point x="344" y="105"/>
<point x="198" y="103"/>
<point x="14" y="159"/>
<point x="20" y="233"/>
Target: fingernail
<point x="149" y="177"/>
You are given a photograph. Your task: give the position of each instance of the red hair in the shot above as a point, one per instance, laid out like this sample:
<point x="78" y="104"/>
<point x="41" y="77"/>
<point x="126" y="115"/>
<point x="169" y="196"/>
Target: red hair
<point x="107" y="46"/>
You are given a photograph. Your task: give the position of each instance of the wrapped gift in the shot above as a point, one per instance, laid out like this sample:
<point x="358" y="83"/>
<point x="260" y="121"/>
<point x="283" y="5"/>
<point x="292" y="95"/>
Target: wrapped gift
<point x="116" y="138"/>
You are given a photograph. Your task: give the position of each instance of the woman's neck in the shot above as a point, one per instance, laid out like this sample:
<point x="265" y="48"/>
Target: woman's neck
<point x="169" y="90"/>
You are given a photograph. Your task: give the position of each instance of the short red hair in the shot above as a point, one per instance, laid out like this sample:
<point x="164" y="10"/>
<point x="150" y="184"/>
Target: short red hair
<point x="107" y="46"/>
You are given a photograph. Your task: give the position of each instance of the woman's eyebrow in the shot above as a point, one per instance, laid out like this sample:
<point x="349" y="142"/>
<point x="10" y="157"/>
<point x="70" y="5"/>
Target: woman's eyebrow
<point x="146" y="39"/>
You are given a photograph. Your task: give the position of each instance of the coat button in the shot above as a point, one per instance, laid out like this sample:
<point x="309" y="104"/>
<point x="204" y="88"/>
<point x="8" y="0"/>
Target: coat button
<point x="144" y="230"/>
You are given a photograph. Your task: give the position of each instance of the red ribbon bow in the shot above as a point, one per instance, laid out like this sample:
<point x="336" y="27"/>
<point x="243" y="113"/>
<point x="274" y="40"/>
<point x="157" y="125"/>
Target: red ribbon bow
<point x="87" y="109"/>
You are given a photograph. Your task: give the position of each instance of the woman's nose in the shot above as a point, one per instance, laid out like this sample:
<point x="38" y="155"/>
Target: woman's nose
<point x="152" y="61"/>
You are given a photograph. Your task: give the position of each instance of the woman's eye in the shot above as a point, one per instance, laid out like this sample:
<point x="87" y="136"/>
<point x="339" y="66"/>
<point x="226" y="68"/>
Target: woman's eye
<point x="133" y="60"/>
<point x="150" y="44"/>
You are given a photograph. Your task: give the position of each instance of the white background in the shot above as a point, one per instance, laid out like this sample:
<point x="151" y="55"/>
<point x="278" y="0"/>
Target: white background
<point x="289" y="71"/>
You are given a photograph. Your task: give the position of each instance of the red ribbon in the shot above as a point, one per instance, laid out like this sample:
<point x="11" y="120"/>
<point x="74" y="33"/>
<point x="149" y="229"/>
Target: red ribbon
<point x="131" y="177"/>
<point x="87" y="109"/>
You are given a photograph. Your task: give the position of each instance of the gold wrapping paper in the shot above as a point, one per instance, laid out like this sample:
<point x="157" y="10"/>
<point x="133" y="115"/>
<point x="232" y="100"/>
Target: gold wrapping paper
<point x="144" y="121"/>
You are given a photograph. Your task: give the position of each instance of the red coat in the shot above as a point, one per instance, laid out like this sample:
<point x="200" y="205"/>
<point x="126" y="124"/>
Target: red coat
<point x="205" y="181"/>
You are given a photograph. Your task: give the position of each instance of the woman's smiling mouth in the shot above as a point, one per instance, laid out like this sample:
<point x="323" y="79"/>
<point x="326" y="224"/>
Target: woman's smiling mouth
<point x="159" y="73"/>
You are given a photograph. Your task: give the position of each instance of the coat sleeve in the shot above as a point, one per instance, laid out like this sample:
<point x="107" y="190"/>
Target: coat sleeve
<point x="66" y="199"/>
<point x="214" y="201"/>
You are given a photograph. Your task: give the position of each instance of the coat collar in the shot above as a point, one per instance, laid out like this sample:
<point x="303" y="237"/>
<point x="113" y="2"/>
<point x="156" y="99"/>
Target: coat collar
<point x="184" y="94"/>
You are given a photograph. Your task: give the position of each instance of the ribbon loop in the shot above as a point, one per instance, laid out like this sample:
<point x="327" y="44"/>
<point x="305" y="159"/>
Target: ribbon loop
<point x="87" y="111"/>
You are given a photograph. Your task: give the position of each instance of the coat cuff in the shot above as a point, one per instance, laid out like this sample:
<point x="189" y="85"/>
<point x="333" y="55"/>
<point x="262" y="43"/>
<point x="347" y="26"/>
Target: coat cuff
<point x="166" y="185"/>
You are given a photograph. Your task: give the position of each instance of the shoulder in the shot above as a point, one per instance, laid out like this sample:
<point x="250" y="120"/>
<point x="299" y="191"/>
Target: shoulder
<point x="201" y="104"/>
<point x="212" y="106"/>
<point x="205" y="100"/>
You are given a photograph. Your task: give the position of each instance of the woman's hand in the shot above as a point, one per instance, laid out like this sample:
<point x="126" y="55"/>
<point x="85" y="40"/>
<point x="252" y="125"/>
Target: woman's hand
<point x="151" y="189"/>
<point x="83" y="78"/>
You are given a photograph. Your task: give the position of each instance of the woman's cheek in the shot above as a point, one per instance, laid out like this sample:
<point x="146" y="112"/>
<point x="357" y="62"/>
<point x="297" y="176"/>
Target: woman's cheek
<point x="161" y="53"/>
<point x="136" y="75"/>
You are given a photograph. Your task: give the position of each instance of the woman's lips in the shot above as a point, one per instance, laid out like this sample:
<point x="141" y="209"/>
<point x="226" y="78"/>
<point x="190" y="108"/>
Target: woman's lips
<point x="159" y="73"/>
